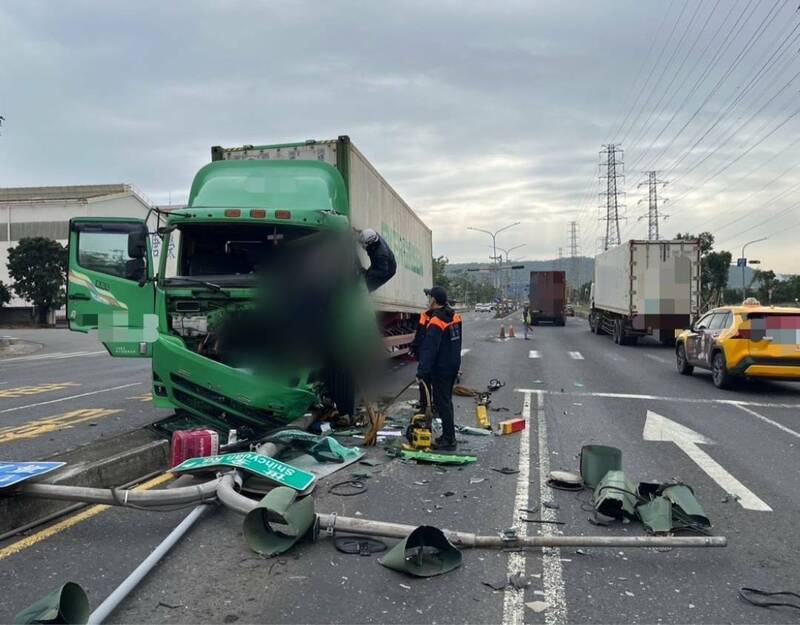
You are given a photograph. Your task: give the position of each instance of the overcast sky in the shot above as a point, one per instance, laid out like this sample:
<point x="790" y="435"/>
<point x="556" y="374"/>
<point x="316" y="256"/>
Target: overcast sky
<point x="478" y="113"/>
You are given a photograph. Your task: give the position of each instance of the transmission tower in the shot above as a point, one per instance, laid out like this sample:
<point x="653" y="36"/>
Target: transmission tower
<point x="612" y="171"/>
<point x="652" y="216"/>
<point x="573" y="250"/>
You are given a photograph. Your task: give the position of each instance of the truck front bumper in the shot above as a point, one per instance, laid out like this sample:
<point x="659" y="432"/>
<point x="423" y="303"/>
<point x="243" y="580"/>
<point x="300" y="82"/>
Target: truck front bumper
<point x="225" y="396"/>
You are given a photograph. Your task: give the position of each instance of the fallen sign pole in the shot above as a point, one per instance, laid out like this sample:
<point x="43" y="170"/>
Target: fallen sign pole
<point x="230" y="498"/>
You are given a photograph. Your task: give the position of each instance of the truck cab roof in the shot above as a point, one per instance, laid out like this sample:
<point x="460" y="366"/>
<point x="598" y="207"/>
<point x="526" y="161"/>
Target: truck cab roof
<point x="299" y="186"/>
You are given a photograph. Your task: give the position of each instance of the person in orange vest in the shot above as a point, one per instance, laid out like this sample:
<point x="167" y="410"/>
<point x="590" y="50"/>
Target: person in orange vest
<point x="439" y="358"/>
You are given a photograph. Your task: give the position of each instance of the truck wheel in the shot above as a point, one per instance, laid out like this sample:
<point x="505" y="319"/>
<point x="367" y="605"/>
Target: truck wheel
<point x="719" y="371"/>
<point x="593" y="324"/>
<point x="684" y="368"/>
<point x="617" y="331"/>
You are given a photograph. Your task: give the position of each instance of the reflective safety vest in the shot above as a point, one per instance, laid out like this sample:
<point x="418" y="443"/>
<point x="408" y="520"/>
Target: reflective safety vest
<point x="440" y="349"/>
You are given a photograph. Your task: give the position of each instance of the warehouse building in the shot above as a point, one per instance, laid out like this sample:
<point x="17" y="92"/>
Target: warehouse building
<point x="46" y="211"/>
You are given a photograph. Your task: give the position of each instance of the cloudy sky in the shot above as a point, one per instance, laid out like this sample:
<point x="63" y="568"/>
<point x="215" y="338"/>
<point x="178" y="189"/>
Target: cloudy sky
<point x="478" y="113"/>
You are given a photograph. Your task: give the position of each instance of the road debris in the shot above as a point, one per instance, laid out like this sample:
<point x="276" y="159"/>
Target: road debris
<point x="536" y="606"/>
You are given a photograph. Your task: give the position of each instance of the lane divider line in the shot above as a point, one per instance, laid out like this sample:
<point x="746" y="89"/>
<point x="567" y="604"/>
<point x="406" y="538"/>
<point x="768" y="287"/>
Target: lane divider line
<point x="683" y="400"/>
<point x="513" y="599"/>
<point x="552" y="568"/>
<point x="534" y="354"/>
<point x="780" y="426"/>
<point x="576" y="355"/>
<point x="55" y="401"/>
<point x="85" y="515"/>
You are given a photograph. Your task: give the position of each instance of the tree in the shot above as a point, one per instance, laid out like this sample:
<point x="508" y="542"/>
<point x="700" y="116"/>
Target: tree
<point x="5" y="294"/>
<point x="38" y="267"/>
<point x="714" y="267"/>
<point x="439" y="268"/>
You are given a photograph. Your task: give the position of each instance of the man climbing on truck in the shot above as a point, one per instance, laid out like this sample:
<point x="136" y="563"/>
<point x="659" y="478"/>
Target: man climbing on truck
<point x="382" y="264"/>
<point x="439" y="362"/>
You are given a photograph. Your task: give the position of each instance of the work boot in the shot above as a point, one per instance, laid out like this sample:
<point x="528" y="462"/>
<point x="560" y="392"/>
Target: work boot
<point x="443" y="444"/>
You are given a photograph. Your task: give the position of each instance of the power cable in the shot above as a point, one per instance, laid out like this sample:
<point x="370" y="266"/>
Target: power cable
<point x="639" y="74"/>
<point x="652" y="71"/>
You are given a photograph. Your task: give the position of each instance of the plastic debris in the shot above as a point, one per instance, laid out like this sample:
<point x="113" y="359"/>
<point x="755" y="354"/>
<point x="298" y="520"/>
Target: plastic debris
<point x="436" y="458"/>
<point x="68" y="604"/>
<point x="536" y="606"/>
<point x="509" y="426"/>
<point x="505" y="470"/>
<point x="473" y="431"/>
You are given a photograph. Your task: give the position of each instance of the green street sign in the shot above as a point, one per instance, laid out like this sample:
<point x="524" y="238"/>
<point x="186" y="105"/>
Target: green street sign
<point x="264" y="466"/>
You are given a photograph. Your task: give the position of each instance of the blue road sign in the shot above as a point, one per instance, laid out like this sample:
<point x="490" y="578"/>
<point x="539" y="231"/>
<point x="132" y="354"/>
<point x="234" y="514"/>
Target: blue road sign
<point x="741" y="262"/>
<point x="14" y="472"/>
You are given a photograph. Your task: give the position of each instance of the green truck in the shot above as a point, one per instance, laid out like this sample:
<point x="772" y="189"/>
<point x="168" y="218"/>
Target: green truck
<point x="243" y="210"/>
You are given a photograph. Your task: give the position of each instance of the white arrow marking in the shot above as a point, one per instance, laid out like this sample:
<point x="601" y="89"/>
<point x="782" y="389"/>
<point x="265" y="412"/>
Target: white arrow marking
<point x="658" y="428"/>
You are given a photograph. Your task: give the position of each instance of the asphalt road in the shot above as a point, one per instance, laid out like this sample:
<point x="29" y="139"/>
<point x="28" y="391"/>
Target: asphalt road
<point x="67" y="394"/>
<point x="575" y="389"/>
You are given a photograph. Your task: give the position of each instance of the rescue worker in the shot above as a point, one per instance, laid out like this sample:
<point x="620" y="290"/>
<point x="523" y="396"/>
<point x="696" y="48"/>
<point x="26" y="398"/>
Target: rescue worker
<point x="439" y="362"/>
<point x="414" y="348"/>
<point x="526" y="319"/>
<point x="382" y="264"/>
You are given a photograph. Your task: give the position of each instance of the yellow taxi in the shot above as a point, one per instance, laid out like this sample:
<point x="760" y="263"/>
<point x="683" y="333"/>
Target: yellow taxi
<point x="747" y="341"/>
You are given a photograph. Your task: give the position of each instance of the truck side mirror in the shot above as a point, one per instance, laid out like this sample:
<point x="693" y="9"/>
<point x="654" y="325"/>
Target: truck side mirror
<point x="137" y="242"/>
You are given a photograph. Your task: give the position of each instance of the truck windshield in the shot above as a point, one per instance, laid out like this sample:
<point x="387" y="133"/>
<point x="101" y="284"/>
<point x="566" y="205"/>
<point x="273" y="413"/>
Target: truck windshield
<point x="225" y="254"/>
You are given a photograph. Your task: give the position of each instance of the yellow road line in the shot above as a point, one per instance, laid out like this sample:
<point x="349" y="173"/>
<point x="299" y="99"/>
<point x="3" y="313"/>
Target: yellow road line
<point x="23" y="391"/>
<point x="146" y="397"/>
<point x="32" y="429"/>
<point x="69" y="522"/>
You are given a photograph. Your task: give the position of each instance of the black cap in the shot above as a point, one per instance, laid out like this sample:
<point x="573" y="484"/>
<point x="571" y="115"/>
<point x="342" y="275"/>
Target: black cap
<point x="438" y="294"/>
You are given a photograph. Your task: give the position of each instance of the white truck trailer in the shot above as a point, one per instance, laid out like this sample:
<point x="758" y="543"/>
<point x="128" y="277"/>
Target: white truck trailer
<point x="645" y="288"/>
<point x="373" y="204"/>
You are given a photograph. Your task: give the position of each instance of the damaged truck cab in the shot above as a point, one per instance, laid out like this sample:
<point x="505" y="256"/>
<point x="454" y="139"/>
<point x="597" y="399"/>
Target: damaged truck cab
<point x="214" y="255"/>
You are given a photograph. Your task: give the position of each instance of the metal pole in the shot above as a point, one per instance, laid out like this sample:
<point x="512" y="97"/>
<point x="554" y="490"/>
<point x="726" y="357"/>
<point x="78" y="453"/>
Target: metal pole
<point x="744" y="265"/>
<point x="124" y="589"/>
<point x="242" y="505"/>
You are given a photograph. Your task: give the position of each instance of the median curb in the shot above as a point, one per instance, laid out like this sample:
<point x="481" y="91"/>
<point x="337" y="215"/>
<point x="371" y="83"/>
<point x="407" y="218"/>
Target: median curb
<point x="108" y="463"/>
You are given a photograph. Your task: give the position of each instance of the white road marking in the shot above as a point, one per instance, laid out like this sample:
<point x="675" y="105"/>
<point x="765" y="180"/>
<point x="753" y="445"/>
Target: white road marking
<point x="552" y="568"/>
<point x="683" y="400"/>
<point x="55" y="401"/>
<point x="658" y="428"/>
<point x="52" y="356"/>
<point x="767" y="420"/>
<point x="657" y="358"/>
<point x="576" y="355"/>
<point x="534" y="354"/>
<point x="513" y="599"/>
<point x="464" y="352"/>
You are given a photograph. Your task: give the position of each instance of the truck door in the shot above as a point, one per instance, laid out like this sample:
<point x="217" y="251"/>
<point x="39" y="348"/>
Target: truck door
<point x="108" y="286"/>
<point x="695" y="342"/>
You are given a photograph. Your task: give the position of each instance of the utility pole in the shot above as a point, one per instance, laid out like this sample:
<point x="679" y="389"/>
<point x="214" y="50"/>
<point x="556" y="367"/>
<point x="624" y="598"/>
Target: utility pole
<point x="573" y="250"/>
<point x="494" y="245"/>
<point x="742" y="262"/>
<point x="612" y="170"/>
<point x="652" y="183"/>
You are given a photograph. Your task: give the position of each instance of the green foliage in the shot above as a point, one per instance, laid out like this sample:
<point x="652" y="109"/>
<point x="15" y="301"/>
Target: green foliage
<point x="439" y="268"/>
<point x="38" y="267"/>
<point x="464" y="288"/>
<point x="5" y="294"/>
<point x="713" y="269"/>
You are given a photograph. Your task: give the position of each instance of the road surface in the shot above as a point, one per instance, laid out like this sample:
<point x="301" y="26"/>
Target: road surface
<point x="574" y="388"/>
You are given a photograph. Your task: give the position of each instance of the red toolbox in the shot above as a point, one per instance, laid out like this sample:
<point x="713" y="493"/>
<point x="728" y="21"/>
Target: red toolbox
<point x="193" y="444"/>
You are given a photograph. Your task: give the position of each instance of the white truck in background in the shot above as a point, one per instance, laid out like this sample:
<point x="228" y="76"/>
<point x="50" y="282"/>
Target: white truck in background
<point x="645" y="288"/>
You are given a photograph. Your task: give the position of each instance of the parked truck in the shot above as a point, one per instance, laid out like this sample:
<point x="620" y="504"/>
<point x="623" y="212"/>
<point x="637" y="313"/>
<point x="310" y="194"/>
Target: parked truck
<point x="249" y="210"/>
<point x="645" y="288"/>
<point x="547" y="297"/>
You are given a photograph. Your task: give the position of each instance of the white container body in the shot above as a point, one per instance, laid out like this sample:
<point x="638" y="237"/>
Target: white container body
<point x="650" y="278"/>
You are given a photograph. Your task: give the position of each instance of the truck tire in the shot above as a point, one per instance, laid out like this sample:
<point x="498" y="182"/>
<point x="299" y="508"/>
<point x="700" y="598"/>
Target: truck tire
<point x="719" y="371"/>
<point x="684" y="368"/>
<point x="617" y="336"/>
<point x="593" y="323"/>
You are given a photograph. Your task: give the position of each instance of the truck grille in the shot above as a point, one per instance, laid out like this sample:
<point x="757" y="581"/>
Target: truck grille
<point x="218" y="406"/>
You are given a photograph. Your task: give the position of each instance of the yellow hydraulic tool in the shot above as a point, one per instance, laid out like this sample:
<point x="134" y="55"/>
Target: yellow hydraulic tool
<point x="420" y="431"/>
<point x="482" y="411"/>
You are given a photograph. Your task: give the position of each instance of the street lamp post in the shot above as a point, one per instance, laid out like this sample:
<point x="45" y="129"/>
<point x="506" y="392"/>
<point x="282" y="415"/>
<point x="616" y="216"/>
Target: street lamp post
<point x="507" y="273"/>
<point x="494" y="243"/>
<point x="744" y="264"/>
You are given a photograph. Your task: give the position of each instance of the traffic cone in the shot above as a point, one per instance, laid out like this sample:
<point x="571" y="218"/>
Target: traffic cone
<point x="511" y="334"/>
<point x="502" y="331"/>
